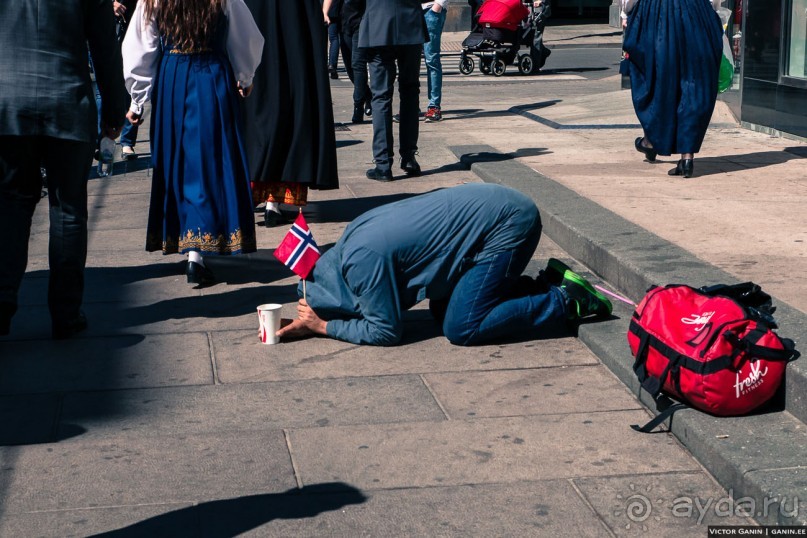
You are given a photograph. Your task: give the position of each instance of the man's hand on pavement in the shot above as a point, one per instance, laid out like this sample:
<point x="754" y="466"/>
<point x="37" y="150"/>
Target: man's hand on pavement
<point x="308" y="323"/>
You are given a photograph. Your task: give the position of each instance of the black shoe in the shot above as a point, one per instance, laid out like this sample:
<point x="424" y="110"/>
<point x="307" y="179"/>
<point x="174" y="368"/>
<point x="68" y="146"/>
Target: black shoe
<point x="379" y="175"/>
<point x="7" y="311"/>
<point x="273" y="218"/>
<point x="334" y="74"/>
<point x="368" y="109"/>
<point x="62" y="331"/>
<point x="649" y="153"/>
<point x="410" y="166"/>
<point x="358" y="114"/>
<point x="396" y="118"/>
<point x="200" y="275"/>
<point x="685" y="167"/>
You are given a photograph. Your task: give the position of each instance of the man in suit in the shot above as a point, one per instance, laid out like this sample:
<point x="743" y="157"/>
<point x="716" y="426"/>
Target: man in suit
<point x="394" y="31"/>
<point x="48" y="120"/>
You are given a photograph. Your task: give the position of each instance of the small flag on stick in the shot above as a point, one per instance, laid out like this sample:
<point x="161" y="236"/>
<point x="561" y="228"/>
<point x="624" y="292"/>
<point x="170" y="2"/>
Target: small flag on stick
<point x="298" y="250"/>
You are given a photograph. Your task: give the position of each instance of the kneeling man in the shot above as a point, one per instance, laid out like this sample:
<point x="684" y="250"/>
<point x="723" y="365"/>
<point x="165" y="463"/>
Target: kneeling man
<point x="464" y="249"/>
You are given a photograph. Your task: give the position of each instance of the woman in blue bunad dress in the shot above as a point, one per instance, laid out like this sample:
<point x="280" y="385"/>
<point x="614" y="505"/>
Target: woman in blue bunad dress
<point x="192" y="58"/>
<point x="674" y="49"/>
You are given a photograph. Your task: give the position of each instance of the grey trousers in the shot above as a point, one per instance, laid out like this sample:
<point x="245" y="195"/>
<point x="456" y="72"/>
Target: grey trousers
<point x="383" y="70"/>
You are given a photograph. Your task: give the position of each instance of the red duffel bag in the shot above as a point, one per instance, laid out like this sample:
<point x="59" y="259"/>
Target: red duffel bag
<point x="713" y="348"/>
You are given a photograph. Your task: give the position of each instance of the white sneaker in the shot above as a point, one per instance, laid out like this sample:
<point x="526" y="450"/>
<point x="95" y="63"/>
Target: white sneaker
<point x="127" y="153"/>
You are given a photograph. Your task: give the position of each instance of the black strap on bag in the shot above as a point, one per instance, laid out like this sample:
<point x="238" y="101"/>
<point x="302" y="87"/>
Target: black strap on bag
<point x="747" y="294"/>
<point x="661" y="417"/>
<point x="748" y="345"/>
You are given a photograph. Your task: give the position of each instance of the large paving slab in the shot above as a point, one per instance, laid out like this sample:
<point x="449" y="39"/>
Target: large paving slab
<point x="240" y="357"/>
<point x="495" y="450"/>
<point x="251" y="407"/>
<point x="105" y="363"/>
<point x="133" y="471"/>
<point x="507" y="393"/>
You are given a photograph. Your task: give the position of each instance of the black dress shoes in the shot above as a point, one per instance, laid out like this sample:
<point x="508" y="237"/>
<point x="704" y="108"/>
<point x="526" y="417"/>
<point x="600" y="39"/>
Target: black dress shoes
<point x="649" y="153"/>
<point x="63" y="330"/>
<point x="377" y="174"/>
<point x="358" y="114"/>
<point x="200" y="275"/>
<point x="685" y="167"/>
<point x="410" y="166"/>
<point x="368" y="109"/>
<point x="273" y="218"/>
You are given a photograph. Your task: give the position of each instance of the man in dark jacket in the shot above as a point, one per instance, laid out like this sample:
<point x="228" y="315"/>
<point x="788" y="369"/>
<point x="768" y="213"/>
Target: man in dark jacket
<point x="48" y="119"/>
<point x="393" y="31"/>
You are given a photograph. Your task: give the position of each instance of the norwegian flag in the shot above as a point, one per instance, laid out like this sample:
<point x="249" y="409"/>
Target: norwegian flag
<point x="298" y="250"/>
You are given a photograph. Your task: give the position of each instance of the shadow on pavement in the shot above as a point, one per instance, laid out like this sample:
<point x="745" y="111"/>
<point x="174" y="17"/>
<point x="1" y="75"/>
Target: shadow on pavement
<point x="348" y="209"/>
<point x="232" y="517"/>
<point x="707" y="166"/>
<point x="490" y="157"/>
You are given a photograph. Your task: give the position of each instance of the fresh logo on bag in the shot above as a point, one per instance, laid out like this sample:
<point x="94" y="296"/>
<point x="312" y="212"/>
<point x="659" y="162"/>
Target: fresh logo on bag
<point x="754" y="379"/>
<point x="698" y="319"/>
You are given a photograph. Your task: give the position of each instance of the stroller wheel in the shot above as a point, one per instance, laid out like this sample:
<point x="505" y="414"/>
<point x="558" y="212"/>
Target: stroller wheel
<point x="526" y="65"/>
<point x="498" y="67"/>
<point x="466" y="65"/>
<point x="484" y="66"/>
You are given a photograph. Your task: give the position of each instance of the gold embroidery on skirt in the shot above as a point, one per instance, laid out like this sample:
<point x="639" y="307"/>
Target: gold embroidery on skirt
<point x="279" y="192"/>
<point x="203" y="242"/>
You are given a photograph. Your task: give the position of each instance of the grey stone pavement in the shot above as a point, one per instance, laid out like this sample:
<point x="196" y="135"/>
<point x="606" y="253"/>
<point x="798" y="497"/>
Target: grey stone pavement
<point x="169" y="418"/>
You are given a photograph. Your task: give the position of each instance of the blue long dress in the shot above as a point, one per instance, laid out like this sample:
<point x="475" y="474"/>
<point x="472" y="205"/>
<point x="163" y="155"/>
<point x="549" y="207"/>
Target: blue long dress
<point x="200" y="199"/>
<point x="675" y="48"/>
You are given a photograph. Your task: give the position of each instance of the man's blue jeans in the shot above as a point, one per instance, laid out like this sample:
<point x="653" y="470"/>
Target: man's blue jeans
<point x="431" y="53"/>
<point x="485" y="304"/>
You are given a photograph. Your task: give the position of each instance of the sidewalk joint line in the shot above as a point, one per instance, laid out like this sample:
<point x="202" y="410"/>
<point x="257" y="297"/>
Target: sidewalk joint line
<point x="585" y="500"/>
<point x="294" y="468"/>
<point x="436" y="399"/>
<point x="212" y="349"/>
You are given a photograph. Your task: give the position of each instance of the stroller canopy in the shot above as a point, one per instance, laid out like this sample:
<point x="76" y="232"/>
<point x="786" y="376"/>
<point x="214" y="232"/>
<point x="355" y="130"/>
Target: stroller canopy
<point x="502" y="13"/>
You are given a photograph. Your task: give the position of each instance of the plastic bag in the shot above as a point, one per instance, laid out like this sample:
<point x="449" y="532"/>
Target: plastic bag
<point x="725" y="77"/>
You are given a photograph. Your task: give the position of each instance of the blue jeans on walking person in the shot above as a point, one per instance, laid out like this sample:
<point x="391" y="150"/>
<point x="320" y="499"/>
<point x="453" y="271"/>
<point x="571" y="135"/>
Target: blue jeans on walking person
<point x="431" y="52"/>
<point x="333" y="47"/>
<point x="485" y="304"/>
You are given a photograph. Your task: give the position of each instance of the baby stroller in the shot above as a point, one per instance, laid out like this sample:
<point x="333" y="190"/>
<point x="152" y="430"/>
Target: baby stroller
<point x="507" y="31"/>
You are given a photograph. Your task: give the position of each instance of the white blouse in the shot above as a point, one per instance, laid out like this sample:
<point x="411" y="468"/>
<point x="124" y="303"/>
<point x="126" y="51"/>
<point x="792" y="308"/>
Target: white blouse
<point x="627" y="7"/>
<point x="141" y="50"/>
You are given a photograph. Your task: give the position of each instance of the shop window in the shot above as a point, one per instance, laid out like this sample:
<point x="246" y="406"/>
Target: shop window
<point x="797" y="55"/>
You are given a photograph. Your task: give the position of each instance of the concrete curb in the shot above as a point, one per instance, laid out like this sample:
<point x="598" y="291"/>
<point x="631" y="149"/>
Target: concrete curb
<point x="768" y="468"/>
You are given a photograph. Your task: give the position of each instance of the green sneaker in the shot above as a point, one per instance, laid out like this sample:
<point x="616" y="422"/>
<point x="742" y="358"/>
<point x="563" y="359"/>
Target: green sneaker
<point x="555" y="269"/>
<point x="585" y="300"/>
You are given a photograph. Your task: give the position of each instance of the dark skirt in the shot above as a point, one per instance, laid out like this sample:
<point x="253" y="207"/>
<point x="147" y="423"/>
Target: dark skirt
<point x="288" y="119"/>
<point x="200" y="197"/>
<point x="675" y="48"/>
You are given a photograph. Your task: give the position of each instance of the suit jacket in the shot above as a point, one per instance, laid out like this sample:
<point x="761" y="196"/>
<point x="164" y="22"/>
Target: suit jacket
<point x="388" y="23"/>
<point x="45" y="87"/>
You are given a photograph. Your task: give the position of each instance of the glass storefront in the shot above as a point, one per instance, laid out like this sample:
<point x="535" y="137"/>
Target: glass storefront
<point x="733" y="19"/>
<point x="774" y="65"/>
<point x="796" y="63"/>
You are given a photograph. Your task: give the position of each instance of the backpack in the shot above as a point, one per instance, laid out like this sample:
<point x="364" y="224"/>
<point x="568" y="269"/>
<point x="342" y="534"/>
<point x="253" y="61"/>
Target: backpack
<point x="713" y="348"/>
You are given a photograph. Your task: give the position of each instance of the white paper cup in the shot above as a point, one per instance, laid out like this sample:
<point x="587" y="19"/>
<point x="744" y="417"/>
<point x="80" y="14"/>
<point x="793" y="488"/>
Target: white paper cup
<point x="269" y="318"/>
